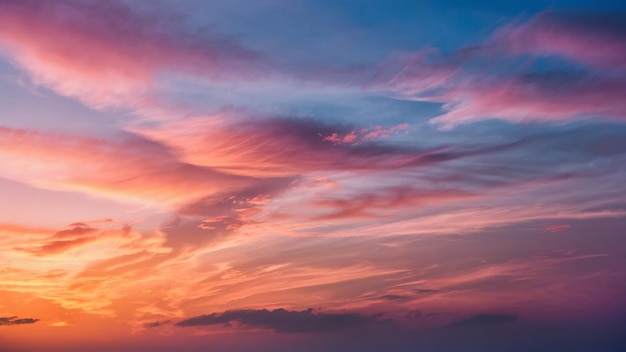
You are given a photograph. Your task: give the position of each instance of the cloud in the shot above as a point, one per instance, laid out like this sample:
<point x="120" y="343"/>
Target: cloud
<point x="283" y="147"/>
<point x="413" y="74"/>
<point x="282" y="321"/>
<point x="594" y="39"/>
<point x="272" y="146"/>
<point x="398" y="298"/>
<point x="155" y="324"/>
<point x="77" y="237"/>
<point x="15" y="321"/>
<point x="218" y="216"/>
<point x="557" y="227"/>
<point x="532" y="98"/>
<point x="369" y="204"/>
<point x="484" y="320"/>
<point x="519" y="93"/>
<point x="55" y="247"/>
<point x="128" y="167"/>
<point x="113" y="54"/>
<point x="23" y="231"/>
<point x="364" y="134"/>
<point x="425" y="291"/>
<point x="77" y="230"/>
<point x="81" y="270"/>
<point x="108" y="53"/>
<point x="240" y="202"/>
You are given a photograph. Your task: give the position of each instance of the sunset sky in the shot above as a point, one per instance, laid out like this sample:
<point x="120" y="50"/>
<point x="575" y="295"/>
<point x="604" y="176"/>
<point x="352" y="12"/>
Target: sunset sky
<point x="312" y="175"/>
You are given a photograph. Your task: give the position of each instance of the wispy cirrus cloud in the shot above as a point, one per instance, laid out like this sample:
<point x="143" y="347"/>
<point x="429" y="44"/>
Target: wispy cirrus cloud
<point x="75" y="237"/>
<point x="76" y="267"/>
<point x="276" y="146"/>
<point x="131" y="166"/>
<point x="532" y="98"/>
<point x="272" y="147"/>
<point x="109" y="53"/>
<point x="369" y="204"/>
<point x="594" y="39"/>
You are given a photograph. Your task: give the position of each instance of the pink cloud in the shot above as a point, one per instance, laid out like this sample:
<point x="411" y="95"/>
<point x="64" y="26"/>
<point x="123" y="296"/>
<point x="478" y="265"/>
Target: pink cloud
<point x="104" y="53"/>
<point x="130" y="168"/>
<point x="469" y="95"/>
<point x="592" y="41"/>
<point x="372" y="205"/>
<point x="317" y="181"/>
<point x="557" y="227"/>
<point x="337" y="139"/>
<point x="364" y="134"/>
<point x="521" y="99"/>
<point x="265" y="147"/>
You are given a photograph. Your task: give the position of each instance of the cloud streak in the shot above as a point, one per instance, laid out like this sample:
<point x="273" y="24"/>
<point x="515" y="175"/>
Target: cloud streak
<point x="590" y="38"/>
<point x="484" y="320"/>
<point x="282" y="320"/>
<point x="130" y="166"/>
<point x="280" y="147"/>
<point x="17" y="321"/>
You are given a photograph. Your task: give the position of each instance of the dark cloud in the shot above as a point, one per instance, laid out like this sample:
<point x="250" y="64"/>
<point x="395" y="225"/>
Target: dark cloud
<point x="282" y="320"/>
<point x="484" y="319"/>
<point x="155" y="324"/>
<point x="394" y="298"/>
<point x="15" y="321"/>
<point x="425" y="291"/>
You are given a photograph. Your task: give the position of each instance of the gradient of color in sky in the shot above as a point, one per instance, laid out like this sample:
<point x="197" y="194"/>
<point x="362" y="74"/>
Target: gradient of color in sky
<point x="312" y="175"/>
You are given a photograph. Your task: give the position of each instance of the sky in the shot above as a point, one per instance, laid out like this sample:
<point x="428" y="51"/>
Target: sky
<point x="312" y="175"/>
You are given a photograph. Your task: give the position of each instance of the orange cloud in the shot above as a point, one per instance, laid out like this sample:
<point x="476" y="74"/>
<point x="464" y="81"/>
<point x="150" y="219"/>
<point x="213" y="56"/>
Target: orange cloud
<point x="132" y="168"/>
